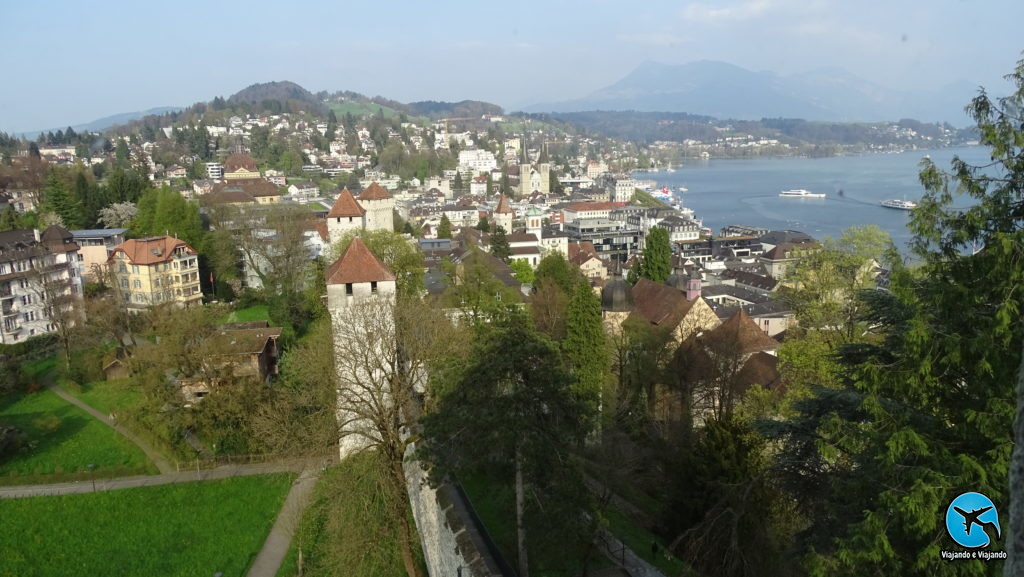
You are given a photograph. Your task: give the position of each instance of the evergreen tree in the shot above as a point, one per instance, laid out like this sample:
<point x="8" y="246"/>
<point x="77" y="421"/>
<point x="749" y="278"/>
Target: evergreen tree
<point x="584" y="349"/>
<point x="444" y="230"/>
<point x="924" y="413"/>
<point x="499" y="244"/>
<point x="483" y="225"/>
<point x="656" y="259"/>
<point x="513" y="414"/>
<point x="61" y="202"/>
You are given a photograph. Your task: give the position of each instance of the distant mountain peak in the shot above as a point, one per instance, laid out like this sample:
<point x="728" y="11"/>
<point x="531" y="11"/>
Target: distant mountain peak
<point x="724" y="90"/>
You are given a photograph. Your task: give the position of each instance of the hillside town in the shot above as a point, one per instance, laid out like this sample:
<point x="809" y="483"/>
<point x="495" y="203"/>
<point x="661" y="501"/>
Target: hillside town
<point x="469" y="343"/>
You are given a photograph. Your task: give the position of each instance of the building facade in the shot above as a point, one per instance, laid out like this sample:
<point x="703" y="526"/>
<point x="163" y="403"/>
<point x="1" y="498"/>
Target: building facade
<point x="156" y="270"/>
<point x="38" y="281"/>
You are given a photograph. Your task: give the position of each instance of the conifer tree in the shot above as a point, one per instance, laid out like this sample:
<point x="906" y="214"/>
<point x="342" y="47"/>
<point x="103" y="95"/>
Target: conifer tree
<point x="656" y="258"/>
<point x="444" y="230"/>
<point x="499" y="244"/>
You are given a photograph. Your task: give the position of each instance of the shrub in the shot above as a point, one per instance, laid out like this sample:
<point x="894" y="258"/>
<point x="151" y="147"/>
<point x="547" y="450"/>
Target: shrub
<point x="47" y="424"/>
<point x="11" y="441"/>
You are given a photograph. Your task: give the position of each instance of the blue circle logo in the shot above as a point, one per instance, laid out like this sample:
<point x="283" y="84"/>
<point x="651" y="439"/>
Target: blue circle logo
<point x="972" y="521"/>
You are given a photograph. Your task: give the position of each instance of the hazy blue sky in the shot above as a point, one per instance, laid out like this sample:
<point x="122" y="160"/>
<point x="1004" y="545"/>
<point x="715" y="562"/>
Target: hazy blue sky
<point x="68" y="62"/>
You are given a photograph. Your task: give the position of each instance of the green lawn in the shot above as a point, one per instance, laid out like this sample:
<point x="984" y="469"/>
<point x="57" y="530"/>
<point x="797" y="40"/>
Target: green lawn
<point x="253" y="313"/>
<point x="639" y="540"/>
<point x="362" y="109"/>
<point x="66" y="441"/>
<point x="188" y="529"/>
<point x="345" y="530"/>
<point x="110" y="396"/>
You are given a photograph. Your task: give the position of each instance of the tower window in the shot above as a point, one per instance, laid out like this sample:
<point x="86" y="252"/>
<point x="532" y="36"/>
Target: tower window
<point x="348" y="288"/>
<point x="373" y="286"/>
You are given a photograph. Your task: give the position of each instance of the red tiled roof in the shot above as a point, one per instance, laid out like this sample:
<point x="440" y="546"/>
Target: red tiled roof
<point x="346" y="205"/>
<point x="236" y="161"/>
<point x="146" y="251"/>
<point x="357" y="265"/>
<point x="374" y="192"/>
<point x="504" y="206"/>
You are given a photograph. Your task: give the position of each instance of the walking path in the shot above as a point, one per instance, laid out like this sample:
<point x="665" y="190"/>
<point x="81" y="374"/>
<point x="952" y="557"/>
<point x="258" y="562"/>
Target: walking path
<point x="274" y="549"/>
<point x="18" y="491"/>
<point x="158" y="460"/>
<point x="276" y="546"/>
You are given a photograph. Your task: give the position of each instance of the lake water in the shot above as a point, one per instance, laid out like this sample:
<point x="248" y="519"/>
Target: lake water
<point x="724" y="192"/>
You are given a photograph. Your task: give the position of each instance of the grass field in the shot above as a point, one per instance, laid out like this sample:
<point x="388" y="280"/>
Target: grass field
<point x="187" y="529"/>
<point x="109" y="396"/>
<point x="639" y="541"/>
<point x="66" y="441"/>
<point x="345" y="529"/>
<point x="253" y="313"/>
<point x="361" y="109"/>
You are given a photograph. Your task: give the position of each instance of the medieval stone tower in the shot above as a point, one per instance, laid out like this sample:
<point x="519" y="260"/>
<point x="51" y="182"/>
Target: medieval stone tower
<point x="360" y="300"/>
<point x="503" y="214"/>
<point x="379" y="207"/>
<point x="345" y="215"/>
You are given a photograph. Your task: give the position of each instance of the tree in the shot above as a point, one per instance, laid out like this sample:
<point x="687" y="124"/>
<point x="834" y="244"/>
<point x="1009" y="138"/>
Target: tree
<point x="500" y="248"/>
<point x="164" y="211"/>
<point x="522" y="270"/>
<point x="444" y="230"/>
<point x="514" y="404"/>
<point x="383" y="350"/>
<point x="656" y="258"/>
<point x="60" y="201"/>
<point x="483" y="225"/>
<point x="924" y="409"/>
<point x="118" y="214"/>
<point x="584" y="348"/>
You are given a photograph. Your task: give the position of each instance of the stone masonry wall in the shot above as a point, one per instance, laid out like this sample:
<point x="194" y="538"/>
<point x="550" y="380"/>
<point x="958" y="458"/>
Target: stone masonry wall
<point x="452" y="544"/>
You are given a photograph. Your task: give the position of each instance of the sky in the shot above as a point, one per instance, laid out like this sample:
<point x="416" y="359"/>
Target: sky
<point x="67" y="62"/>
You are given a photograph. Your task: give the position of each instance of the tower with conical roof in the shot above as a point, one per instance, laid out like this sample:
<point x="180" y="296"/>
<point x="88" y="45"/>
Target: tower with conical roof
<point x="346" y="214"/>
<point x="503" y="213"/>
<point x="357" y="275"/>
<point x="360" y="300"/>
<point x="380" y="207"/>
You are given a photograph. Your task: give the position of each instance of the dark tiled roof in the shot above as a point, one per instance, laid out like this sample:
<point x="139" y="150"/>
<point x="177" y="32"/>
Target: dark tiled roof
<point x="744" y="332"/>
<point x="660" y="304"/>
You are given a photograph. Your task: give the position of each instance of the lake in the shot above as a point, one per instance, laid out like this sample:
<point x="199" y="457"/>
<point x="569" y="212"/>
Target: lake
<point x="746" y="191"/>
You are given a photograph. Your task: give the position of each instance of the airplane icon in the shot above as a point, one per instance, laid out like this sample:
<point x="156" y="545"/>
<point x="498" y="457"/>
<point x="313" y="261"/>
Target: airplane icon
<point x="972" y="519"/>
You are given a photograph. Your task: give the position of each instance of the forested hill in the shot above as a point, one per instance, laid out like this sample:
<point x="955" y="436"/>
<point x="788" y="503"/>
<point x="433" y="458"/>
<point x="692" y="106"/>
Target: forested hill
<point x="291" y="96"/>
<point x="648" y="127"/>
<point x="462" y="109"/>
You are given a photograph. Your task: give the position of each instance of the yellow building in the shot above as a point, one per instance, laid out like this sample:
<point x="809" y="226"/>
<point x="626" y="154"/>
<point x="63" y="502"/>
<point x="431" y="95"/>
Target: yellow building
<point x="156" y="270"/>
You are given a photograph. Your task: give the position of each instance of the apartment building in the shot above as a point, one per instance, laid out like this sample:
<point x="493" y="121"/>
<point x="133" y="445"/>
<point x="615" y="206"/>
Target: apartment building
<point x="156" y="270"/>
<point x="38" y="281"/>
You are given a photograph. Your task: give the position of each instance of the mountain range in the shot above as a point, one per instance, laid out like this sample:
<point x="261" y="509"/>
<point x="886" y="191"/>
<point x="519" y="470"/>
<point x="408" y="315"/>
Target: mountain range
<point x="727" y="91"/>
<point x="101" y="124"/>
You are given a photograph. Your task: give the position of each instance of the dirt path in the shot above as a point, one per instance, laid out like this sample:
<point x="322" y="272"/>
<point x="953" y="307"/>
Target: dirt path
<point x="19" y="491"/>
<point x="161" y="463"/>
<point x="275" y="548"/>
